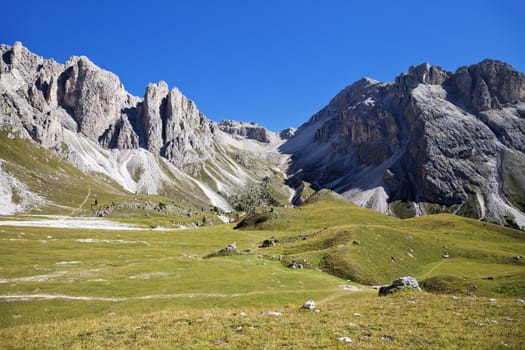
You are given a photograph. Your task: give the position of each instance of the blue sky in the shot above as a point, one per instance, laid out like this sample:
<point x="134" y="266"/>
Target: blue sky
<point x="275" y="62"/>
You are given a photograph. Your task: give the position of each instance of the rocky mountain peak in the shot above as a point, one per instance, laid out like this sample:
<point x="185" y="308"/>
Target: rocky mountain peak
<point x="422" y="74"/>
<point x="431" y="141"/>
<point x="287" y="133"/>
<point x="153" y="113"/>
<point x="490" y="84"/>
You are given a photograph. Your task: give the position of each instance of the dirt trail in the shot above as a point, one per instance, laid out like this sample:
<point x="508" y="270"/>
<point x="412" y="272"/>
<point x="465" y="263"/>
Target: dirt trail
<point x="81" y="204"/>
<point x="433" y="269"/>
<point x="26" y="297"/>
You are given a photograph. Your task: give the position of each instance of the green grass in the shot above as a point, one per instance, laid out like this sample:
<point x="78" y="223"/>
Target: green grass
<point x="154" y="289"/>
<point x="364" y="246"/>
<point x="66" y="189"/>
<point x="51" y="177"/>
<point x="408" y="321"/>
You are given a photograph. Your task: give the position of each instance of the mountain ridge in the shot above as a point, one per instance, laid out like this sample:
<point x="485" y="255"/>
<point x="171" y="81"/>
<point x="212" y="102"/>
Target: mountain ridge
<point x="430" y="141"/>
<point x="82" y="112"/>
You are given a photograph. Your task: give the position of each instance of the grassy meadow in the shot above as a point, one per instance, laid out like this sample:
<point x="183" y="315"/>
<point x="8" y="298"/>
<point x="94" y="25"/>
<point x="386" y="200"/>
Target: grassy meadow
<point x="88" y="289"/>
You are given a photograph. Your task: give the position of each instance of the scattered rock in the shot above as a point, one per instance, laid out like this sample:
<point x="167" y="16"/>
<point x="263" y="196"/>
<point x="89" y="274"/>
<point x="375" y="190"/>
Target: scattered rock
<point x="103" y="212"/>
<point x="388" y="338"/>
<point x="407" y="281"/>
<point x="268" y="243"/>
<point x="274" y="313"/>
<point x="309" y="304"/>
<point x="345" y="340"/>
<point x="295" y="264"/>
<point x="228" y="250"/>
<point x="349" y="288"/>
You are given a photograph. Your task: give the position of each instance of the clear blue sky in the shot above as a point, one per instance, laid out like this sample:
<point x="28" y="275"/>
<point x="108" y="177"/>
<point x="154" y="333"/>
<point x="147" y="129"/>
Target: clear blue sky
<point x="275" y="62"/>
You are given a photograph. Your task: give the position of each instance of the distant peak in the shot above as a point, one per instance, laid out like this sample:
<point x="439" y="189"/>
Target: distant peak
<point x="369" y="80"/>
<point x="424" y="73"/>
<point x="287" y="133"/>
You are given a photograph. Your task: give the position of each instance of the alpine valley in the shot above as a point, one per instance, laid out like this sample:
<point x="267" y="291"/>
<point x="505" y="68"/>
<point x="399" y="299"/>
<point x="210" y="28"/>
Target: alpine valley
<point x="139" y="223"/>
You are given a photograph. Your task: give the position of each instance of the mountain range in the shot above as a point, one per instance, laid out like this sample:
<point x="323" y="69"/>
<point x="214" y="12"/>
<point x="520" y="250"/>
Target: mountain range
<point x="431" y="141"/>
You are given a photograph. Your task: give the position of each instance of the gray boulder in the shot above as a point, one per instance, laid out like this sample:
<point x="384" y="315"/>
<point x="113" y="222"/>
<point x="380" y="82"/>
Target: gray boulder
<point x="403" y="282"/>
<point x="309" y="304"/>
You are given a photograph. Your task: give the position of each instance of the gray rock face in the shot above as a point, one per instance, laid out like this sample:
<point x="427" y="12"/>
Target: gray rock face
<point x="95" y="98"/>
<point x="288" y="133"/>
<point x="153" y="111"/>
<point x="251" y="131"/>
<point x="84" y="114"/>
<point x="490" y="85"/>
<point x="186" y="131"/>
<point x="403" y="282"/>
<point x="79" y="96"/>
<point x="46" y="96"/>
<point x="431" y="141"/>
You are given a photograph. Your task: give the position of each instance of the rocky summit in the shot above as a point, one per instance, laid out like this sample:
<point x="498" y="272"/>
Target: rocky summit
<point x="431" y="141"/>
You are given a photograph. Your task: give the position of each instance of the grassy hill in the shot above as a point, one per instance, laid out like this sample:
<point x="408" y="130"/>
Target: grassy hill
<point x="72" y="288"/>
<point x="63" y="189"/>
<point x="455" y="254"/>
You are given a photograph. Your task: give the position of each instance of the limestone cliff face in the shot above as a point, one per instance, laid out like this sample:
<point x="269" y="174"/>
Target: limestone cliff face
<point x="83" y="113"/>
<point x="47" y="97"/>
<point x="431" y="141"/>
<point x="251" y="131"/>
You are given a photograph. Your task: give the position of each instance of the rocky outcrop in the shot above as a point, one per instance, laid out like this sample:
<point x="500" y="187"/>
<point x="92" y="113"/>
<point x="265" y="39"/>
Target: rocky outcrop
<point x="400" y="283"/>
<point x="188" y="135"/>
<point x="153" y="111"/>
<point x="490" y="85"/>
<point x="287" y="133"/>
<point x="251" y="130"/>
<point x="230" y="249"/>
<point x="95" y="98"/>
<point x="431" y="141"/>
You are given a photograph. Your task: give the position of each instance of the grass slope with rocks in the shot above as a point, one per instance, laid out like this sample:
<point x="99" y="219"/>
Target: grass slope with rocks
<point x="79" y="288"/>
